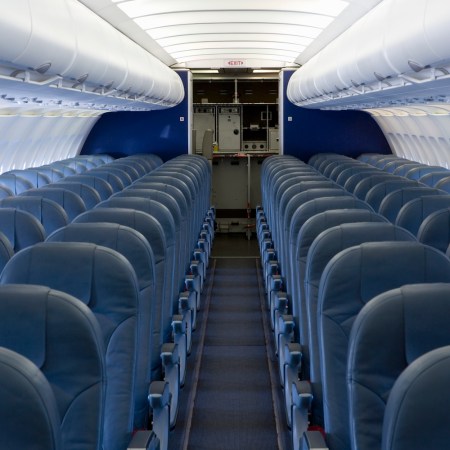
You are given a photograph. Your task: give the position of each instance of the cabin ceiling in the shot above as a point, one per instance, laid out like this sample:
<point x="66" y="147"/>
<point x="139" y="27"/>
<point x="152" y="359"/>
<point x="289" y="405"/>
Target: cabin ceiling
<point x="199" y="34"/>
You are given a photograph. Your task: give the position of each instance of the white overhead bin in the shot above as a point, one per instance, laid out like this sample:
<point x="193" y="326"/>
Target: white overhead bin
<point x="73" y="57"/>
<point x="397" y="53"/>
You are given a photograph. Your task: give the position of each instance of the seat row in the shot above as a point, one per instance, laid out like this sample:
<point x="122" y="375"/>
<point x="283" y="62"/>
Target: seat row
<point x="132" y="268"/>
<point x="328" y="252"/>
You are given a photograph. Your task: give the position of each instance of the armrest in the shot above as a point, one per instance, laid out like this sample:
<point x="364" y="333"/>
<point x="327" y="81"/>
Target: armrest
<point x="300" y="410"/>
<point x="144" y="440"/>
<point x="187" y="309"/>
<point x="314" y="440"/>
<point x="179" y="327"/>
<point x="291" y="362"/>
<point x="170" y="361"/>
<point x="159" y="401"/>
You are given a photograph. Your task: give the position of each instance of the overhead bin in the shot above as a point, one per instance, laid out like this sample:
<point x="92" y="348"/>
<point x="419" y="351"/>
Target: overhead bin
<point x="65" y="46"/>
<point x="397" y="50"/>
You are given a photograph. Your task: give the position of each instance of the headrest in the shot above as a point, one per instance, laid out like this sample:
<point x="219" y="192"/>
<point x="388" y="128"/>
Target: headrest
<point x="327" y="219"/>
<point x="27" y="398"/>
<point x="147" y="225"/>
<point x="128" y="242"/>
<point x="417" y="409"/>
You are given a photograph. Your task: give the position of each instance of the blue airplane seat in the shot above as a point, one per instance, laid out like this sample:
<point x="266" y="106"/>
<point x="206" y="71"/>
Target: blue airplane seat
<point x="52" y="173"/>
<point x="382" y="162"/>
<point x="36" y="176"/>
<point x="60" y="166"/>
<point x="142" y="190"/>
<point x="29" y="415"/>
<point x="413" y="320"/>
<point x="15" y="183"/>
<point x="120" y="173"/>
<point x="352" y="170"/>
<point x="139" y="166"/>
<point x="172" y="205"/>
<point x="6" y="250"/>
<point x="151" y="229"/>
<point x="353" y="180"/>
<point x="136" y="249"/>
<point x="62" y="337"/>
<point x="163" y="215"/>
<point x="431" y="179"/>
<point x="307" y="234"/>
<point x="51" y="215"/>
<point x="102" y="187"/>
<point x="444" y="184"/>
<point x="71" y="202"/>
<point x="368" y="182"/>
<point x="21" y="228"/>
<point x="307" y="210"/>
<point x="112" y="179"/>
<point x="416" y="173"/>
<point x="89" y="195"/>
<point x="105" y="281"/>
<point x="404" y="168"/>
<point x="324" y="247"/>
<point x="127" y="168"/>
<point x="393" y="202"/>
<point x="350" y="280"/>
<point x="294" y="197"/>
<point x="416" y="415"/>
<point x="394" y="164"/>
<point x="334" y="175"/>
<point x="435" y="230"/>
<point x="413" y="213"/>
<point x="319" y="158"/>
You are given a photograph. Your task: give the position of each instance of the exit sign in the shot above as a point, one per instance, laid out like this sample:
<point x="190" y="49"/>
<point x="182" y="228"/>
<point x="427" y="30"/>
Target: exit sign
<point x="235" y="63"/>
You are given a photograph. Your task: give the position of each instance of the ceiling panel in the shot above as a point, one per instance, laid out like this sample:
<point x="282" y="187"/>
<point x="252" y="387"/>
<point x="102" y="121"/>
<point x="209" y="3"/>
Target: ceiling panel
<point x="213" y="32"/>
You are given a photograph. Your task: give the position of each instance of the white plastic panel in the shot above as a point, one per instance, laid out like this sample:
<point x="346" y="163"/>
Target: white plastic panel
<point x="420" y="133"/>
<point x="399" y="44"/>
<point x="32" y="138"/>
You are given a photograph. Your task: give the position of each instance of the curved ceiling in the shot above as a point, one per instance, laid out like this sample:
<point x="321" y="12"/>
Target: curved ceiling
<point x="232" y="33"/>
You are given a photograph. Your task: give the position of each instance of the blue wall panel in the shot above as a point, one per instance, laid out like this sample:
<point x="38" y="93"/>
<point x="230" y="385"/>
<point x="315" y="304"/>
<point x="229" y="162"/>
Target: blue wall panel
<point x="314" y="131"/>
<point x="127" y="133"/>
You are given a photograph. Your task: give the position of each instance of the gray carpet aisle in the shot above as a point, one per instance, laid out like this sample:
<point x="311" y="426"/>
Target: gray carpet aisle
<point x="233" y="407"/>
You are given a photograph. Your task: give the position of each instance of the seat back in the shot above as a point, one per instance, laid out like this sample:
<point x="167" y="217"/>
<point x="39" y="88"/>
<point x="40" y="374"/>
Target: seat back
<point x="163" y="215"/>
<point x="366" y="183"/>
<point x="352" y="181"/>
<point x="62" y="337"/>
<point x="135" y="248"/>
<point x="345" y="174"/>
<point x="151" y="229"/>
<point x="433" y="178"/>
<point x="20" y="228"/>
<point x="28" y="412"/>
<point x="14" y="183"/>
<point x="112" y="179"/>
<point x="49" y="213"/>
<point x="102" y="187"/>
<point x="393" y="202"/>
<point x="71" y="202"/>
<point x="416" y="173"/>
<point x="413" y="213"/>
<point x="328" y="244"/>
<point x="377" y="193"/>
<point x="312" y="228"/>
<point x="409" y="423"/>
<point x="350" y="280"/>
<point x="106" y="282"/>
<point x="89" y="195"/>
<point x="413" y="320"/>
<point x="435" y="230"/>
<point x="35" y="176"/>
<point x="308" y="210"/>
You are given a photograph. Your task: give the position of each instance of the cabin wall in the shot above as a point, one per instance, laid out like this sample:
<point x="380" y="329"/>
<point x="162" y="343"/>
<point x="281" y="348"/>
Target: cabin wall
<point x="306" y="132"/>
<point x="165" y="133"/>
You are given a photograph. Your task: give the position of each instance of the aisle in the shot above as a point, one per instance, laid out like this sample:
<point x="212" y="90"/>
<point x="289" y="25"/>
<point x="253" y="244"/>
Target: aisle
<point x="233" y="408"/>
